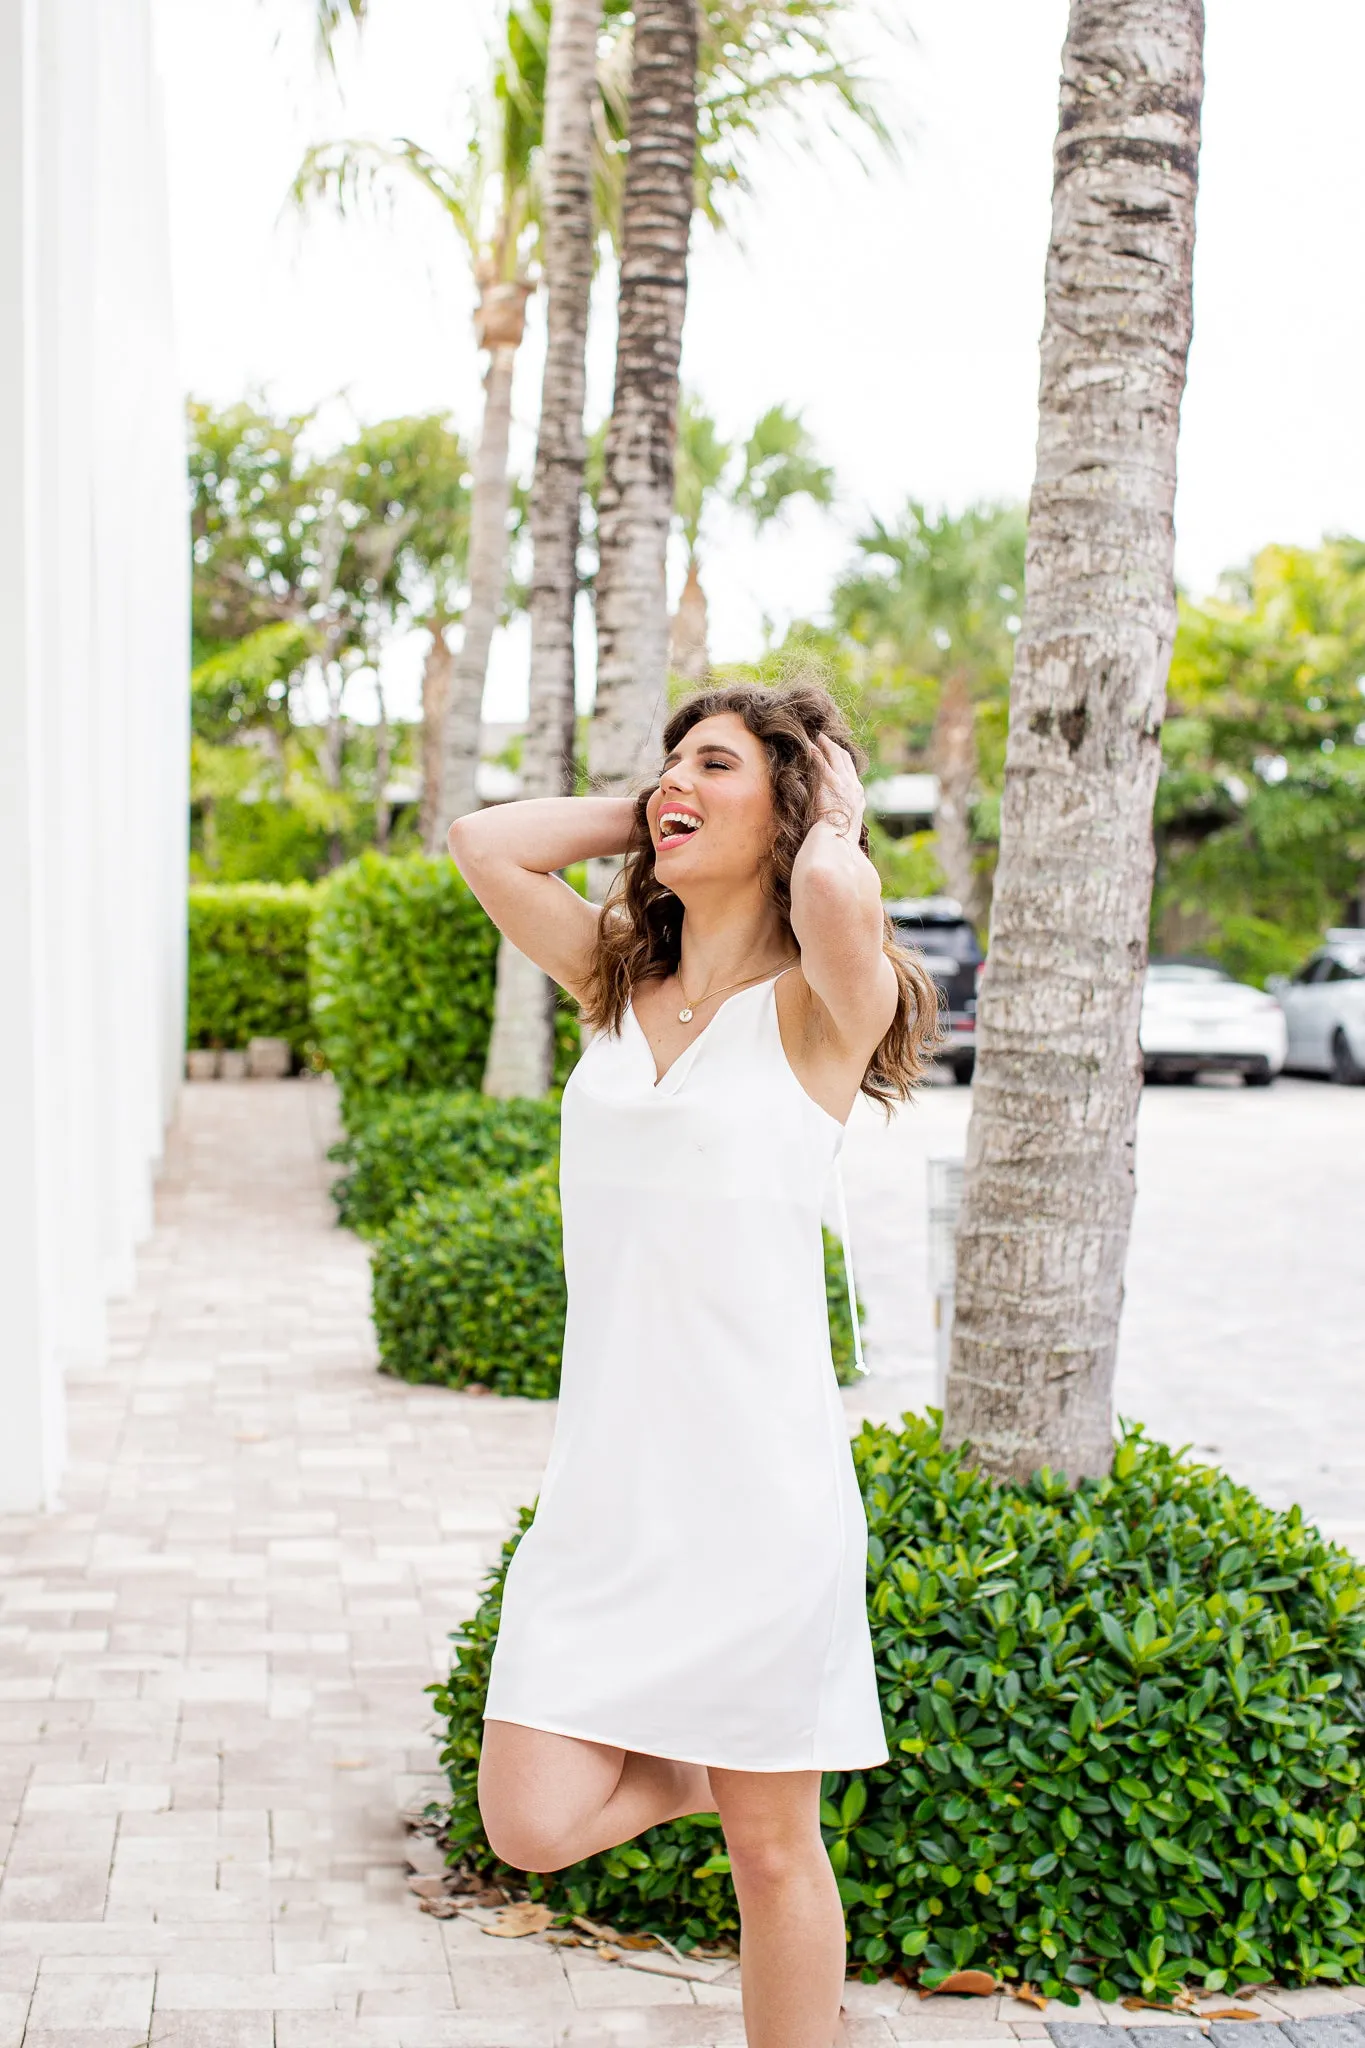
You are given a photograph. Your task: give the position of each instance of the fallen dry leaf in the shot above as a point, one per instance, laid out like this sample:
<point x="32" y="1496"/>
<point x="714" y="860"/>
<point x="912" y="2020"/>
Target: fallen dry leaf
<point x="1147" y="2005"/>
<point x="591" y="1927"/>
<point x="428" y="1887"/>
<point x="440" y="1909"/>
<point x="1026" y="1994"/>
<point x="967" y="1984"/>
<point x="527" y="1917"/>
<point x="637" y="1941"/>
<point x="608" y="1953"/>
<point x="1230" y="2012"/>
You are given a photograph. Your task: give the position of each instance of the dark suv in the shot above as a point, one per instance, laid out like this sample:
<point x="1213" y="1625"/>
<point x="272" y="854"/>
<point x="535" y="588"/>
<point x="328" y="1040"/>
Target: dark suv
<point x="936" y="927"/>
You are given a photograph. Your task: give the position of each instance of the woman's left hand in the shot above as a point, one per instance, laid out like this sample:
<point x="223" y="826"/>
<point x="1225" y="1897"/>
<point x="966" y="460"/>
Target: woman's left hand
<point x="841" y="798"/>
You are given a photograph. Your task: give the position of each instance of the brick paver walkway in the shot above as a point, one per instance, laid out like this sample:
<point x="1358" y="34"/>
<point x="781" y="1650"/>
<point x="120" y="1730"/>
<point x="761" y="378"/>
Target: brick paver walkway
<point x="213" y="1661"/>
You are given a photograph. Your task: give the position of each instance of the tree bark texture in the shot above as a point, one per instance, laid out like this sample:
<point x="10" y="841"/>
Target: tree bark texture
<point x="688" y="653"/>
<point x="458" y="761"/>
<point x="955" y="764"/>
<point x="1049" y="1189"/>
<point x="437" y="671"/>
<point x="635" y="512"/>
<point x="521" y="1051"/>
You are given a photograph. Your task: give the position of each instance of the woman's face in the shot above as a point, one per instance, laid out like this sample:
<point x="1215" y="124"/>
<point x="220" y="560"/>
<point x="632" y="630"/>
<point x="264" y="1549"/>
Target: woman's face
<point x="711" y="818"/>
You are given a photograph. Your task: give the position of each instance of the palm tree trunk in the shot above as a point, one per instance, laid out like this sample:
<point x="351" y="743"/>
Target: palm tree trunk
<point x="1049" y="1190"/>
<point x="955" y="764"/>
<point x="521" y="1050"/>
<point x="459" y="757"/>
<point x="437" y="670"/>
<point x="383" y="758"/>
<point x="635" y="511"/>
<point x="688" y="654"/>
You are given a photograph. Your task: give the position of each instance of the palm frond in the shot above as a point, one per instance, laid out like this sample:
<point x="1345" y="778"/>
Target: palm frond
<point x="330" y="15"/>
<point x="350" y="174"/>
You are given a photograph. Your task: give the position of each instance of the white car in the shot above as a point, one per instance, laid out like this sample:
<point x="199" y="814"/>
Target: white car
<point x="1196" y="1019"/>
<point x="1324" y="1008"/>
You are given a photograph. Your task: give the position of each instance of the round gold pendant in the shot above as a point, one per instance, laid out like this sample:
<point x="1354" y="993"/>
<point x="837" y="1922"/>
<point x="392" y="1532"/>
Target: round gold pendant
<point x="685" y="1016"/>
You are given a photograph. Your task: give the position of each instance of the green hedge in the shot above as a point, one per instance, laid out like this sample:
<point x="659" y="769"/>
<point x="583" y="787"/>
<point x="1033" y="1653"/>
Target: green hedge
<point x="400" y="1146"/>
<point x="468" y="1285"/>
<point x="1127" y="1729"/>
<point x="248" y="965"/>
<point x="402" y="966"/>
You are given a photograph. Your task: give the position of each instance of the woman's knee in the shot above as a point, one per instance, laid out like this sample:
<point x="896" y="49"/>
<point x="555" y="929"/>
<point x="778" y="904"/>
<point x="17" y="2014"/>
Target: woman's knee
<point x="764" y="1857"/>
<point x="523" y="1841"/>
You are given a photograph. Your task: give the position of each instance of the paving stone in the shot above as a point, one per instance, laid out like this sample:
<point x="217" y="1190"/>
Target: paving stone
<point x="1079" y="2034"/>
<point x="1245" y="2034"/>
<point x="215" y="1654"/>
<point x="1331" y="2031"/>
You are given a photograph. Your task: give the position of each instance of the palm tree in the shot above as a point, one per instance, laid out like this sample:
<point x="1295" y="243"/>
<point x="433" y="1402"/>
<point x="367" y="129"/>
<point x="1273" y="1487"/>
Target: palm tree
<point x="777" y="464"/>
<point x="1049" y="1189"/>
<point x="635" y="508"/>
<point x="704" y="79"/>
<point x="488" y="202"/>
<point x="521" y="1049"/>
<point x="935" y="602"/>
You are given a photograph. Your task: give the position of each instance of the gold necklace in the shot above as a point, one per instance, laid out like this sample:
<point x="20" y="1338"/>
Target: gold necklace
<point x="685" y="1013"/>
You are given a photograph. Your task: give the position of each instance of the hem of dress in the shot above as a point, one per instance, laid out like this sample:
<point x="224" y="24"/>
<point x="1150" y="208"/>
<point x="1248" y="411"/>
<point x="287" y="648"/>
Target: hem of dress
<point x="706" y="1763"/>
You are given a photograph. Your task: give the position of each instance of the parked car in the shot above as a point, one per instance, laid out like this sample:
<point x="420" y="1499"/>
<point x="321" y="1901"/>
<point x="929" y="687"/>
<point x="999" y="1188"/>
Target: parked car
<point x="1196" y="1019"/>
<point x="936" y="927"/>
<point x="1324" y="1009"/>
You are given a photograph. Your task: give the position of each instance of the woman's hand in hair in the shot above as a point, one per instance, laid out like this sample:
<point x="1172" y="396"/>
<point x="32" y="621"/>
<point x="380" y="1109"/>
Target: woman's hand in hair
<point x="841" y="799"/>
<point x="837" y="920"/>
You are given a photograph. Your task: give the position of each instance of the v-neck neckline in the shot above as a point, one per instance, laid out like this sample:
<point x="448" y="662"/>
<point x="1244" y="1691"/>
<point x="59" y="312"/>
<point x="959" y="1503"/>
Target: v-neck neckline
<point x="657" y="1086"/>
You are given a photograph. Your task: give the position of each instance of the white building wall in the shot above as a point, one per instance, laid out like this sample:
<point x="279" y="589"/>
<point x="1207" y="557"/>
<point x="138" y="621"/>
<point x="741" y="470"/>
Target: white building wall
<point x="93" y="697"/>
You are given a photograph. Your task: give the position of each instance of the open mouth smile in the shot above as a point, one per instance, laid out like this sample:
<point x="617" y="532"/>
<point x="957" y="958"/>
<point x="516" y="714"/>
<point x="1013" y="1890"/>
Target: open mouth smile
<point x="676" y="827"/>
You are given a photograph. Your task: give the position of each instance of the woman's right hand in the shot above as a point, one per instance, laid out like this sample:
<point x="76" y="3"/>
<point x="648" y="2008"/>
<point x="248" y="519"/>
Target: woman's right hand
<point x="509" y="854"/>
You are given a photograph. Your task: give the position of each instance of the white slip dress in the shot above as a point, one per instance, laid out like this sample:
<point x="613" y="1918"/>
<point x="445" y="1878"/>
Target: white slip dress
<point x="694" y="1583"/>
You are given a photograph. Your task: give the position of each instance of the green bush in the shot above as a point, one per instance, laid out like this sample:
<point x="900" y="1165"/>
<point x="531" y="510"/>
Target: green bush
<point x="468" y="1284"/>
<point x="400" y="1146"/>
<point x="402" y="975"/>
<point x="1127" y="1730"/>
<point x="402" y="965"/>
<point x="470" y="1287"/>
<point x="248" y="965"/>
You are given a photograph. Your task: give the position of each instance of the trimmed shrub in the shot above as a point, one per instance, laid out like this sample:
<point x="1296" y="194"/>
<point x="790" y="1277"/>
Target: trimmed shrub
<point x="1127" y="1731"/>
<point x="402" y="964"/>
<point x="400" y="1146"/>
<point x="248" y="965"/>
<point x="469" y="1285"/>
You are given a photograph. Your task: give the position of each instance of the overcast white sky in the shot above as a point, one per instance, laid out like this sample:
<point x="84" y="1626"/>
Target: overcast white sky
<point x="900" y="309"/>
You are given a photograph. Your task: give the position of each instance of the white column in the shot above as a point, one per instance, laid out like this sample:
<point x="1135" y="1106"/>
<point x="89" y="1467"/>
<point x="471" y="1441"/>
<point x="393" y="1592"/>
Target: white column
<point x="93" y="697"/>
<point x="30" y="1381"/>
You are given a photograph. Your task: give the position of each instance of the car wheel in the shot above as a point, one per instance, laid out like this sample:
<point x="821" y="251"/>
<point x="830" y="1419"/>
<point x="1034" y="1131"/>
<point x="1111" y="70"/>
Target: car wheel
<point x="1346" y="1068"/>
<point x="964" y="1068"/>
<point x="1258" y="1076"/>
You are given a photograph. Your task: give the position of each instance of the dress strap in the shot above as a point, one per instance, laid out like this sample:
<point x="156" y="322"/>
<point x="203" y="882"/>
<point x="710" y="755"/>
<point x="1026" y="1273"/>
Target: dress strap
<point x="858" y="1359"/>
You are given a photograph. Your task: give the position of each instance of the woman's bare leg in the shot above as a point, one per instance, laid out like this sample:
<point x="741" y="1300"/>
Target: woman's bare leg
<point x="793" y="1945"/>
<point x="549" y="1800"/>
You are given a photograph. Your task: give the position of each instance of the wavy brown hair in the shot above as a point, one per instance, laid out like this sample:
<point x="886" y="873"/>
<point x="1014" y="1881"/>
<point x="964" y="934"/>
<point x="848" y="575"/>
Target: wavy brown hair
<point x="639" y="938"/>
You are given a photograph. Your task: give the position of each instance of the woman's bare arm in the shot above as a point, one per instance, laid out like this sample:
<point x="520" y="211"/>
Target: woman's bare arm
<point x="837" y="917"/>
<point x="508" y="855"/>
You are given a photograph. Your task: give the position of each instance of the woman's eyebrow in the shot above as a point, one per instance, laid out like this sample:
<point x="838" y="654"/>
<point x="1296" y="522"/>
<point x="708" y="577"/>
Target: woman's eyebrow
<point x="711" y="747"/>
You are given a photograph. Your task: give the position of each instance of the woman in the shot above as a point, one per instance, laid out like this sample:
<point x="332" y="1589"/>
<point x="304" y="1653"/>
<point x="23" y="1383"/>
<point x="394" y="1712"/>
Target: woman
<point x="684" y="1626"/>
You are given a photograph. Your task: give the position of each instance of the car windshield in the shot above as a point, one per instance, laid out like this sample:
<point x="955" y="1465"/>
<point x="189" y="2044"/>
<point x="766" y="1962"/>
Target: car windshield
<point x="949" y="941"/>
<point x="1182" y="970"/>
